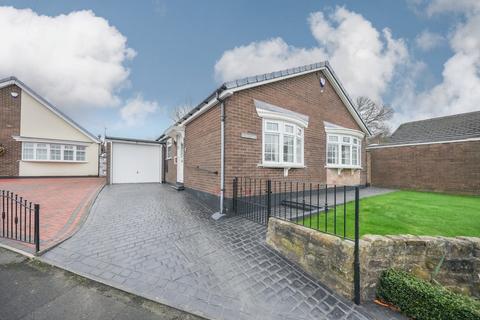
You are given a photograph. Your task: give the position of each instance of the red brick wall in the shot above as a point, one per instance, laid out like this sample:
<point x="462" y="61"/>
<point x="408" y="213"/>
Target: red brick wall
<point x="202" y="152"/>
<point x="301" y="94"/>
<point x="10" y="108"/>
<point x="447" y="167"/>
<point x="171" y="167"/>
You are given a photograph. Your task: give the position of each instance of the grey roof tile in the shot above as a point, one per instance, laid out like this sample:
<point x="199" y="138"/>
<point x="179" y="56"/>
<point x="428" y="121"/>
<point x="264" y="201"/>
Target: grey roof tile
<point x="455" y="127"/>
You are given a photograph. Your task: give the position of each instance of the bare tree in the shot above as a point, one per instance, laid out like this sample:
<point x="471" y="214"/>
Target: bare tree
<point x="180" y="111"/>
<point x="375" y="115"/>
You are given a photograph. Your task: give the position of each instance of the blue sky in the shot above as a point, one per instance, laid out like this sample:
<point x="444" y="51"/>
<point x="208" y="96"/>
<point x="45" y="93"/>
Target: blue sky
<point x="179" y="43"/>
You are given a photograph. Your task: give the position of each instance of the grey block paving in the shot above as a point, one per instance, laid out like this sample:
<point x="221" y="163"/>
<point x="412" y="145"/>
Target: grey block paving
<point x="153" y="241"/>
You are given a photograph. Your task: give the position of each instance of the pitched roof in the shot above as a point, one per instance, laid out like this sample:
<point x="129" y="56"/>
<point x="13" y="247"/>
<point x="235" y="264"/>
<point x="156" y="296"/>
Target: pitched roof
<point x="456" y="127"/>
<point x="13" y="80"/>
<point x="248" y="82"/>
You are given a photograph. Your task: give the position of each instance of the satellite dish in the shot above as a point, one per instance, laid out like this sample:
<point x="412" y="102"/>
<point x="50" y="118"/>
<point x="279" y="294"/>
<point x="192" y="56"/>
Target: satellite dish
<point x="14" y="94"/>
<point x="322" y="82"/>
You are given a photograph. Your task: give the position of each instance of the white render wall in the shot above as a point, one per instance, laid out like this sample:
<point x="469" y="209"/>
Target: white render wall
<point x="39" y="122"/>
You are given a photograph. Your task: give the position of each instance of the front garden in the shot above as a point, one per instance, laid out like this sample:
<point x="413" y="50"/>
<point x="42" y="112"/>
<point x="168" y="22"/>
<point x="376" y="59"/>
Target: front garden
<point x="405" y="212"/>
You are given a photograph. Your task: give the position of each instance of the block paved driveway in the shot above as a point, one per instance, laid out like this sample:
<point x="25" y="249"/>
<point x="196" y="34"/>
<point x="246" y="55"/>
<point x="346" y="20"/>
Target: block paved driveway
<point x="153" y="241"/>
<point x="64" y="205"/>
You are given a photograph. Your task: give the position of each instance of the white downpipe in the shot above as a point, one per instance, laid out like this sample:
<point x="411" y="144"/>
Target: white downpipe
<point x="222" y="154"/>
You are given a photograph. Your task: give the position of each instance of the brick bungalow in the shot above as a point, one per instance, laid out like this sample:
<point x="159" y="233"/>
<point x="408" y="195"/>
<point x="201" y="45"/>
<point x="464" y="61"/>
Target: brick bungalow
<point x="439" y="154"/>
<point x="294" y="124"/>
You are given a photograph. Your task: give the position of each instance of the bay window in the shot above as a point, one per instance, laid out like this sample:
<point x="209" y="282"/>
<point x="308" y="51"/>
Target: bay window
<point x="343" y="151"/>
<point x="32" y="151"/>
<point x="282" y="143"/>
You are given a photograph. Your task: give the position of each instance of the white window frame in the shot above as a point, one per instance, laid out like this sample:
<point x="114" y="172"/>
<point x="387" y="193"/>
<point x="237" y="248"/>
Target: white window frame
<point x="169" y="149"/>
<point x="341" y="143"/>
<point x="281" y="138"/>
<point x="49" y="157"/>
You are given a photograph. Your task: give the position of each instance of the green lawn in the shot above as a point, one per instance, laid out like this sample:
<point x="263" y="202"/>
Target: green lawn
<point x="407" y="212"/>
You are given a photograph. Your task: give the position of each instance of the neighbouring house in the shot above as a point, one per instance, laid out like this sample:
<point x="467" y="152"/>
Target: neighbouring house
<point x="37" y="139"/>
<point x="439" y="154"/>
<point x="298" y="124"/>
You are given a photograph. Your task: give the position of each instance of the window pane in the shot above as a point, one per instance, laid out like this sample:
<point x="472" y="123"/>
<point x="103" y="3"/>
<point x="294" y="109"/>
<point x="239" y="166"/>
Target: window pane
<point x="355" y="155"/>
<point x="289" y="128"/>
<point x="55" y="152"/>
<point x="272" y="126"/>
<point x="298" y="151"/>
<point x="345" y="155"/>
<point x="80" y="153"/>
<point x="333" y="138"/>
<point x="332" y="153"/>
<point x="355" y="140"/>
<point x="27" y="151"/>
<point x="68" y="153"/>
<point x="346" y="139"/>
<point x="272" y="147"/>
<point x="41" y="151"/>
<point x="299" y="132"/>
<point x="288" y="148"/>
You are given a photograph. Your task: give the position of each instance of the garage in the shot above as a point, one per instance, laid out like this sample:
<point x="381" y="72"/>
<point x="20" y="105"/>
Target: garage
<point x="134" y="161"/>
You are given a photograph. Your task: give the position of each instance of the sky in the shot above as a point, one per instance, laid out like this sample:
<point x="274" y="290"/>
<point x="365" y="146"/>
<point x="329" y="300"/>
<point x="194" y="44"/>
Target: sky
<point x="123" y="66"/>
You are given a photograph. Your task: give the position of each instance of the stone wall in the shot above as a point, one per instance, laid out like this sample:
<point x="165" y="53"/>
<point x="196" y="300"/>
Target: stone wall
<point x="330" y="259"/>
<point x="420" y="255"/>
<point x="325" y="257"/>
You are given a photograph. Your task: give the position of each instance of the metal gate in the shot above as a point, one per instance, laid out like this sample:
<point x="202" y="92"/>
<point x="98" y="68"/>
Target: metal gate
<point x="20" y="219"/>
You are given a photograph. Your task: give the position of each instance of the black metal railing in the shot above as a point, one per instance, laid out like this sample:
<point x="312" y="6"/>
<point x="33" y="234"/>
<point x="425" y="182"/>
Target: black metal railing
<point x="329" y="209"/>
<point x="20" y="219"/>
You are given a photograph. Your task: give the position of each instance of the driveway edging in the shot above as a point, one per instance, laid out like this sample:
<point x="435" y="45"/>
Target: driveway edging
<point x="79" y="226"/>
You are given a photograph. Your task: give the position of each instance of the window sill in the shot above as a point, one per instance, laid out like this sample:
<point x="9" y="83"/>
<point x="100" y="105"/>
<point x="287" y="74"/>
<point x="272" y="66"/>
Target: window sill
<point x="343" y="167"/>
<point x="56" y="161"/>
<point x="281" y="165"/>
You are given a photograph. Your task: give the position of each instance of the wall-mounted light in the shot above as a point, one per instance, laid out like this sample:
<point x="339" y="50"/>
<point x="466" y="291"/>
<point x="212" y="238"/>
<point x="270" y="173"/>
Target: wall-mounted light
<point x="322" y="82"/>
<point x="14" y="94"/>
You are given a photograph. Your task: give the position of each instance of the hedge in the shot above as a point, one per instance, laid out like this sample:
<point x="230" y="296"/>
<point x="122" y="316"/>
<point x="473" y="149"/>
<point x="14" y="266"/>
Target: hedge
<point x="422" y="300"/>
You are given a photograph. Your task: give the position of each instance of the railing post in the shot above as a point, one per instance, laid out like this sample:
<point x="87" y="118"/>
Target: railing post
<point x="356" y="263"/>
<point x="269" y="199"/>
<point x="235" y="194"/>
<point x="37" y="227"/>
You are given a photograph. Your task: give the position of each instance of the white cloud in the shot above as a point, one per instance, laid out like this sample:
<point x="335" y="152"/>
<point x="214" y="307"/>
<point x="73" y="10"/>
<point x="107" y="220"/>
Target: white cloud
<point x="364" y="57"/>
<point x="427" y="40"/>
<point x="136" y="110"/>
<point x="459" y="89"/>
<point x="460" y="6"/>
<point x="74" y="59"/>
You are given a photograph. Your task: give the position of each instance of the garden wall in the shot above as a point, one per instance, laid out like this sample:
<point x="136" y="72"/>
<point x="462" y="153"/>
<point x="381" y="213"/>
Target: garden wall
<point x="330" y="259"/>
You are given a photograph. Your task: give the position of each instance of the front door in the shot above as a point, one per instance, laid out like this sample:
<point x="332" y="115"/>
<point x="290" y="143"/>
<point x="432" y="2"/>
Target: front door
<point x="180" y="156"/>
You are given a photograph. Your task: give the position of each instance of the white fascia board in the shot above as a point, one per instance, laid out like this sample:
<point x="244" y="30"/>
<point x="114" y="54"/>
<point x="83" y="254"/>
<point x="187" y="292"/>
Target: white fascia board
<point x="346" y="101"/>
<point x="211" y="103"/>
<point x="420" y="143"/>
<point x="59" y="141"/>
<point x="34" y="95"/>
<point x="134" y="142"/>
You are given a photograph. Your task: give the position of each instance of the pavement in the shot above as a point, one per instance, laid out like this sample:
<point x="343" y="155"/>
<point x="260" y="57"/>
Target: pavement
<point x="155" y="242"/>
<point x="33" y="290"/>
<point x="64" y="205"/>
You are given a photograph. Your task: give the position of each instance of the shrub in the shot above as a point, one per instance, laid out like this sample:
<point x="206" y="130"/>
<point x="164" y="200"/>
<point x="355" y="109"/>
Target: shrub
<point x="422" y="300"/>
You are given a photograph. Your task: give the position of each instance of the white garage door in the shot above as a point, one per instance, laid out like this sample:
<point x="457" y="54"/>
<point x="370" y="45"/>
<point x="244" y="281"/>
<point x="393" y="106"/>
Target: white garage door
<point x="136" y="163"/>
